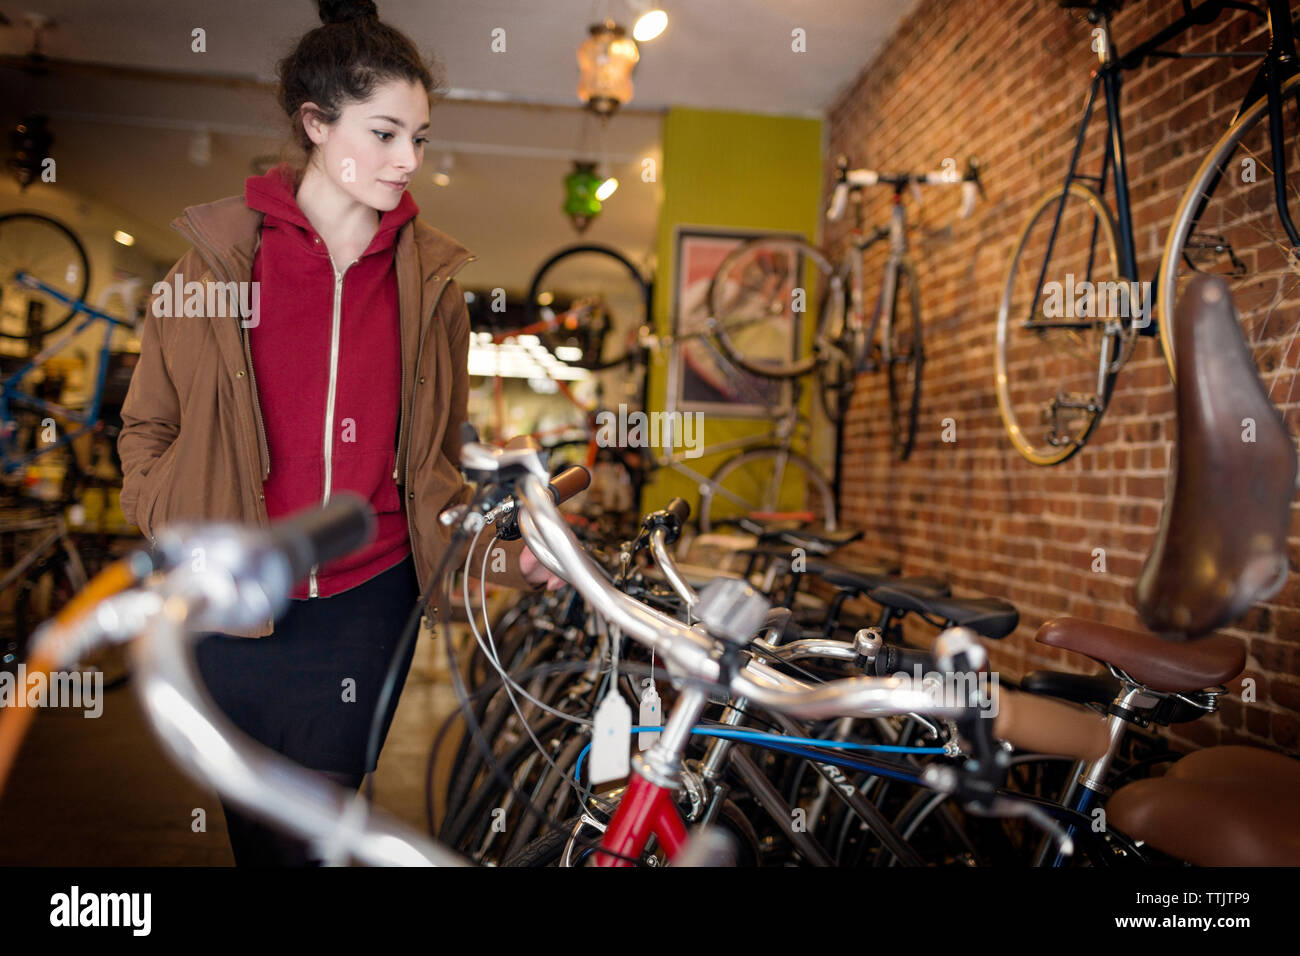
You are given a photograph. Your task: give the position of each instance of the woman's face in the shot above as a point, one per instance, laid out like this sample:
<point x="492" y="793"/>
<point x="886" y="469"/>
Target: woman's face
<point x="374" y="143"/>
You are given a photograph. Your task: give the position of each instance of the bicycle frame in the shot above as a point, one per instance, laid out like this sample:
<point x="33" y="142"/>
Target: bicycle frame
<point x="1280" y="63"/>
<point x="852" y="272"/>
<point x="11" y="393"/>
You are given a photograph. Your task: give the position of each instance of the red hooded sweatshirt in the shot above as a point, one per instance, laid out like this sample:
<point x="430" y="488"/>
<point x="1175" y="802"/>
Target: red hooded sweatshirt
<point x="327" y="355"/>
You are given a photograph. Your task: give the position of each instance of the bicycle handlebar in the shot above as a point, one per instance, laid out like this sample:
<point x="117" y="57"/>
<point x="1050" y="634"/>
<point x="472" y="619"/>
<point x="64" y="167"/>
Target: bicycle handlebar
<point x="214" y="752"/>
<point x="692" y="653"/>
<point x="317" y="535"/>
<point x="852" y="180"/>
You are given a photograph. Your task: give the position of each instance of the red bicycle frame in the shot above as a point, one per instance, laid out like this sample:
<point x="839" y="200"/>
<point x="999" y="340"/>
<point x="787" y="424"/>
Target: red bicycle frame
<point x="646" y="808"/>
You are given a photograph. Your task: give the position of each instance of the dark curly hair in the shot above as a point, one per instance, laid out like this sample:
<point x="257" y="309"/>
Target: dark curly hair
<point x="344" y="60"/>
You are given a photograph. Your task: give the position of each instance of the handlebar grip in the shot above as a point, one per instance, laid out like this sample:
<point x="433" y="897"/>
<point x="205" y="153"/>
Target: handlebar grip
<point x="891" y="659"/>
<point x="569" y="482"/>
<point x="1043" y="725"/>
<point x="320" y="534"/>
<point x="680" y="509"/>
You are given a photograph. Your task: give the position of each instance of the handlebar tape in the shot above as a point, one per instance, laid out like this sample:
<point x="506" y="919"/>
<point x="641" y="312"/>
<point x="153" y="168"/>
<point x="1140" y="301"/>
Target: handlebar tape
<point x="1044" y="725"/>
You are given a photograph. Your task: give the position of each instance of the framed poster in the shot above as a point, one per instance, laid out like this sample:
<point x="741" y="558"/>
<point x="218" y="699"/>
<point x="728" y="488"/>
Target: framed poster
<point x="704" y="377"/>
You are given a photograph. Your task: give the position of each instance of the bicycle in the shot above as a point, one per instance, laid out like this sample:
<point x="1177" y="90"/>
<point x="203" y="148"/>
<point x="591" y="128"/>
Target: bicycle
<point x="1072" y="308"/>
<point x="760" y="289"/>
<point x="648" y="804"/>
<point x="39" y="411"/>
<point x="585" y="285"/>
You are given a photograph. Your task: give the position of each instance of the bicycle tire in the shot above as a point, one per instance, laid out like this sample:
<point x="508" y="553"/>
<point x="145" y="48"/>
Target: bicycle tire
<point x="645" y="286"/>
<point x="527" y="824"/>
<point x="904" y="364"/>
<point x="836" y="376"/>
<point x="727" y="320"/>
<point x="546" y="849"/>
<point x="76" y="258"/>
<point x="1050" y="453"/>
<point x="766" y="489"/>
<point x="1222" y="159"/>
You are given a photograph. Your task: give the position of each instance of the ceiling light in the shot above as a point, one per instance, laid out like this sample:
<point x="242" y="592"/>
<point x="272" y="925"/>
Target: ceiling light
<point x="649" y="25"/>
<point x="606" y="189"/>
<point x="606" y="60"/>
<point x="545" y="298"/>
<point x="125" y="238"/>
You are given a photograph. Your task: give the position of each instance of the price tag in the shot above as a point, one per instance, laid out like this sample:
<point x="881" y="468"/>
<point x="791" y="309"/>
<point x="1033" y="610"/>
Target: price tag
<point x="611" y="734"/>
<point x="651" y="714"/>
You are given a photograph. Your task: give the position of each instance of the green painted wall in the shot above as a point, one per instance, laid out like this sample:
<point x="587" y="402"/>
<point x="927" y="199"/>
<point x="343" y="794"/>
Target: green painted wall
<point x="735" y="171"/>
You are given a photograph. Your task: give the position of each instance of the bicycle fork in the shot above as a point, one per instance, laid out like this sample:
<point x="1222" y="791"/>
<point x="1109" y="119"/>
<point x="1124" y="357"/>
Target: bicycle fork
<point x="648" y="806"/>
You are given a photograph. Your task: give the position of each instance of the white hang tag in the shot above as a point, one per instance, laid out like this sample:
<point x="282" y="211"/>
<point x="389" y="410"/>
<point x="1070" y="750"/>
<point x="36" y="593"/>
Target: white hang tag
<point x="650" y="715"/>
<point x="611" y="737"/>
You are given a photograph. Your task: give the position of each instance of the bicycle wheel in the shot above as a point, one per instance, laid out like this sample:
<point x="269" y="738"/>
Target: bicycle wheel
<point x="1065" y="326"/>
<point x="766" y="480"/>
<point x="903" y="361"/>
<point x="836" y="375"/>
<point x="1227" y="225"/>
<point x="51" y="252"/>
<point x="602" y="300"/>
<point x="757" y="300"/>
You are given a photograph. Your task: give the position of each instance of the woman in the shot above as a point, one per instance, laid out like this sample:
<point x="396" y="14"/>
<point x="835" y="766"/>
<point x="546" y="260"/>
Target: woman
<point x="349" y="371"/>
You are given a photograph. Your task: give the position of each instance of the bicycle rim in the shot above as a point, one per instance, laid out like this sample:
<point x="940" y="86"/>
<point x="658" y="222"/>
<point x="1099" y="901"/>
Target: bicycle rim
<point x="764" y="481"/>
<point x="904" y="361"/>
<point x="1227" y="225"/>
<point x="52" y="253"/>
<point x="1055" y="379"/>
<point x="758" y="302"/>
<point x="835" y="372"/>
<point x="606" y="298"/>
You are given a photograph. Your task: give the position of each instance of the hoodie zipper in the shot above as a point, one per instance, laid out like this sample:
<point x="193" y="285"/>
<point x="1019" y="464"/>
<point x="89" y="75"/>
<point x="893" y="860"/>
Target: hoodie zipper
<point x="406" y="459"/>
<point x="333" y="390"/>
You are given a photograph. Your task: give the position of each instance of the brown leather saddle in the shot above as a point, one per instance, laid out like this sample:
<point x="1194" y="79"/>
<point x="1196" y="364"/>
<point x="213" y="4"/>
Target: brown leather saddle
<point x="1221" y="544"/>
<point x="1221" y="548"/>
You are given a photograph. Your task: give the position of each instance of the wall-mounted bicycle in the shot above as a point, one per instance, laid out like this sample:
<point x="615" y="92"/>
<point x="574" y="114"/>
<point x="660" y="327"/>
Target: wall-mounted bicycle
<point x="1072" y="307"/>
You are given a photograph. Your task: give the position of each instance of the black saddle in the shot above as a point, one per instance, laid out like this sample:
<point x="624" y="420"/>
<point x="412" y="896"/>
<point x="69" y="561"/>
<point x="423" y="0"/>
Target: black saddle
<point x="990" y="617"/>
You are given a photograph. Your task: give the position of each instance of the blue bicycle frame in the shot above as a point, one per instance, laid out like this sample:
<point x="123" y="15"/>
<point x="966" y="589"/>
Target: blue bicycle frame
<point x="10" y="393"/>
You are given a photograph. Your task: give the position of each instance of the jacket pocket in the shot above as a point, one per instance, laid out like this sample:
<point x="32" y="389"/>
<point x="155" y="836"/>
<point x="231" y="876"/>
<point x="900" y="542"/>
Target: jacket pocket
<point x="155" y="492"/>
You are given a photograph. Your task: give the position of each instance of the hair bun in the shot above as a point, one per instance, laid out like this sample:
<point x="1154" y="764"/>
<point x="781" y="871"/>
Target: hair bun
<point x="341" y="11"/>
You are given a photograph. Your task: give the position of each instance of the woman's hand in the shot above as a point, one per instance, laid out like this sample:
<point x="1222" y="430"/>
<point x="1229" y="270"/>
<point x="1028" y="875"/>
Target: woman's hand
<point x="534" y="573"/>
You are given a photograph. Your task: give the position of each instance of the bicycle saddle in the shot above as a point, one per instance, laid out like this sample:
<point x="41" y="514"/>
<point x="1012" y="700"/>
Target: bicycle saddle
<point x="989" y="617"/>
<point x="1221" y="543"/>
<point x="1222" y="806"/>
<point x="866" y="581"/>
<point x="812" y="540"/>
<point x="1171" y="668"/>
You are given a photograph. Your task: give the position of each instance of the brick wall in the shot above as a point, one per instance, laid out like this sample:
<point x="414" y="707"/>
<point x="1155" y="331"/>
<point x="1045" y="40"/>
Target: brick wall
<point x="1006" y="80"/>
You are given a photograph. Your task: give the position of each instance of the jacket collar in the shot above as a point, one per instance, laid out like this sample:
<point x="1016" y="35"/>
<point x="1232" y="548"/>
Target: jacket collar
<point x="226" y="233"/>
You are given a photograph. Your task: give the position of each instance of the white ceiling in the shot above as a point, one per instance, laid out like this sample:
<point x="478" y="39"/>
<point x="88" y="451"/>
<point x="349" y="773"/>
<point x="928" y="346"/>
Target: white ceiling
<point x="123" y="139"/>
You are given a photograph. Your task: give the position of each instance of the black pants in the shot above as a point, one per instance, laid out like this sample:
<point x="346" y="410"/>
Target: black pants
<point x="310" y="690"/>
<point x="255" y="843"/>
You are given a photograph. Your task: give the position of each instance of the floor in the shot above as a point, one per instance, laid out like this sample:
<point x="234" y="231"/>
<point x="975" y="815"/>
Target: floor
<point x="101" y="792"/>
